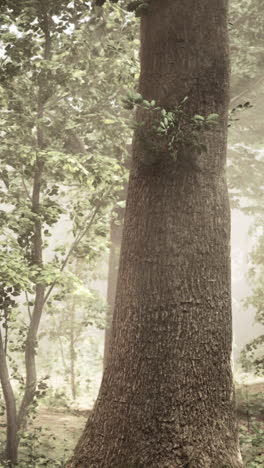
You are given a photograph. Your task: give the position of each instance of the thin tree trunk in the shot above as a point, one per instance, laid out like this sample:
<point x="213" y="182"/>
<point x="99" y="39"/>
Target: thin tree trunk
<point x="166" y="398"/>
<point x="10" y="401"/>
<point x="31" y="340"/>
<point x="72" y="350"/>
<point x="114" y="255"/>
<point x="116" y="230"/>
<point x="30" y="360"/>
<point x="62" y="354"/>
<point x="17" y="422"/>
<point x="37" y="248"/>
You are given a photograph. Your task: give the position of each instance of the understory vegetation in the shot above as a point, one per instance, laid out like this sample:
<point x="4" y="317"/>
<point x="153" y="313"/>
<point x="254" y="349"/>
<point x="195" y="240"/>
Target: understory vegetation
<point x="56" y="426"/>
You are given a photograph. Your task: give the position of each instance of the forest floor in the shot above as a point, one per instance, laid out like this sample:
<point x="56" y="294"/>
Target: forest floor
<point x="55" y="431"/>
<point x="250" y="401"/>
<point x="250" y="410"/>
<point x="61" y="428"/>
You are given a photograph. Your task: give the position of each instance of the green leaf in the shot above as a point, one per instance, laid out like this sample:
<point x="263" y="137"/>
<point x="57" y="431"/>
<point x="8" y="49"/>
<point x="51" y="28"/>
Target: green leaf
<point x="198" y="117"/>
<point x="109" y="121"/>
<point x="212" y="117"/>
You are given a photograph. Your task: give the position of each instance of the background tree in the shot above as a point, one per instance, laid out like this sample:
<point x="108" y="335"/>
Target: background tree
<point x="246" y="28"/>
<point x="245" y="168"/>
<point x="56" y="149"/>
<point x="72" y="314"/>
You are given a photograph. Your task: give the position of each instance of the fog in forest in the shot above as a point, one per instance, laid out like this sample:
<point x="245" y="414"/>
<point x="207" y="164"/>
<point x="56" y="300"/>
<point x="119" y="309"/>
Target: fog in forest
<point x="88" y="123"/>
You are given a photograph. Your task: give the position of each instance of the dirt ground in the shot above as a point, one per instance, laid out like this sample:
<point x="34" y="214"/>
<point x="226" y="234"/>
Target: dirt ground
<point x="61" y="428"/>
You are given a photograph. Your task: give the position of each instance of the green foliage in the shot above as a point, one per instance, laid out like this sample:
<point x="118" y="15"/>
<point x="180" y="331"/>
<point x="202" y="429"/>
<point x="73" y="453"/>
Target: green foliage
<point x="252" y="356"/>
<point x="35" y="438"/>
<point x="246" y="165"/>
<point x="139" y="7"/>
<point x="68" y="171"/>
<point x="91" y="60"/>
<point x="76" y="157"/>
<point x="49" y="439"/>
<point x="58" y="146"/>
<point x="170" y="130"/>
<point x="250" y="409"/>
<point x="245" y="175"/>
<point x="14" y="274"/>
<point x="239" y="108"/>
<point x="250" y="402"/>
<point x="247" y="40"/>
<point x="73" y="315"/>
<point x="56" y="399"/>
<point x="37" y="449"/>
<point x="252" y="445"/>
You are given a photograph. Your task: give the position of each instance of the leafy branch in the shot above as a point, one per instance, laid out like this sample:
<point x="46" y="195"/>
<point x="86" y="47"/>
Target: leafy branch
<point x="237" y="109"/>
<point x="87" y="223"/>
<point x="139" y="7"/>
<point x="174" y="127"/>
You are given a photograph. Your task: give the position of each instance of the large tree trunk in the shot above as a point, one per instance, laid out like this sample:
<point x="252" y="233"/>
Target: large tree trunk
<point x="166" y="398"/>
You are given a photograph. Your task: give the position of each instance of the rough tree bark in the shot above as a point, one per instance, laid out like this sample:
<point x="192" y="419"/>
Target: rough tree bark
<point x="166" y="398"/>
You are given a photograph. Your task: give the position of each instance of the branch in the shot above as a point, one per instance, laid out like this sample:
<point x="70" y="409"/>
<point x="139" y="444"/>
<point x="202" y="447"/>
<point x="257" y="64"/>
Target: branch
<point x="254" y="83"/>
<point x="240" y="20"/>
<point x="30" y="350"/>
<point x="47" y="44"/>
<point x="75" y="244"/>
<point x="28" y="306"/>
<point x="25" y="187"/>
